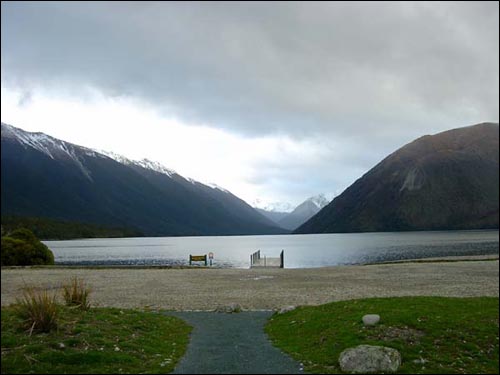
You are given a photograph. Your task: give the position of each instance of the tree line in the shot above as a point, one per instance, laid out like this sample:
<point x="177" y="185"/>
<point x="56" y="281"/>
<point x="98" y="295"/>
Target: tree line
<point x="51" y="229"/>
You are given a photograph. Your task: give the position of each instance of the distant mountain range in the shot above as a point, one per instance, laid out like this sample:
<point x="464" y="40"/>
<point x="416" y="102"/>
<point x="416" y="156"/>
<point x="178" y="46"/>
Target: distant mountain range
<point x="441" y="182"/>
<point x="284" y="207"/>
<point x="275" y="216"/>
<point x="42" y="176"/>
<point x="445" y="181"/>
<point x="299" y="215"/>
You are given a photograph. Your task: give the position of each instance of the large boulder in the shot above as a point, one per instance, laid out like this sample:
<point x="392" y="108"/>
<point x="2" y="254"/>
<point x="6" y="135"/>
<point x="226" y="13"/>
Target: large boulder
<point x="365" y="359"/>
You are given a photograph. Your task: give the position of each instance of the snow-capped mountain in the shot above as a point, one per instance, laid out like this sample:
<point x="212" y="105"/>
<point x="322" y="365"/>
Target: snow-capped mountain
<point x="56" y="148"/>
<point x="274" y="211"/>
<point x="273" y="206"/>
<point x="50" y="146"/>
<point x="288" y="216"/>
<point x="45" y="176"/>
<point x="319" y="200"/>
<point x="303" y="212"/>
<point x="145" y="163"/>
<point x="215" y="186"/>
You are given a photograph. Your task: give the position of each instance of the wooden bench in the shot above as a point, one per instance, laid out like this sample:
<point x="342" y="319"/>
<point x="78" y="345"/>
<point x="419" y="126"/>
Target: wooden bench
<point x="197" y="258"/>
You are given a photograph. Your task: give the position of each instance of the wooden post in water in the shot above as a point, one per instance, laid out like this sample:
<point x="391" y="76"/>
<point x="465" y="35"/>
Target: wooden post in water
<point x="254" y="258"/>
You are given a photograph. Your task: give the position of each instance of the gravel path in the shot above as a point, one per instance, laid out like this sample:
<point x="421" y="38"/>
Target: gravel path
<point x="261" y="289"/>
<point x="232" y="344"/>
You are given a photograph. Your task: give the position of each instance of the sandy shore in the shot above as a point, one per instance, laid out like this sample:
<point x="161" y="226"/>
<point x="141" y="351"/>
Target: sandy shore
<point x="255" y="289"/>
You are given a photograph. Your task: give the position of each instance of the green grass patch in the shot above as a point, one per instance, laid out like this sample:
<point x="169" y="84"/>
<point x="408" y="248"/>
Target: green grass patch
<point x="435" y="335"/>
<point x="97" y="341"/>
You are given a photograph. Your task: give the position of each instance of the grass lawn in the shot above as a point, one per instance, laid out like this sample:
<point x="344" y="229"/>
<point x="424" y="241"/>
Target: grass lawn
<point x="442" y="335"/>
<point x="100" y="340"/>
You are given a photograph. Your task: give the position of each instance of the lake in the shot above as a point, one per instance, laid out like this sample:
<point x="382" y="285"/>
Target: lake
<point x="301" y="251"/>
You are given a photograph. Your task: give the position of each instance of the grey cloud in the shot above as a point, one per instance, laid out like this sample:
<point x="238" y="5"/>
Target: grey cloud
<point x="296" y="68"/>
<point x="25" y="99"/>
<point x="318" y="166"/>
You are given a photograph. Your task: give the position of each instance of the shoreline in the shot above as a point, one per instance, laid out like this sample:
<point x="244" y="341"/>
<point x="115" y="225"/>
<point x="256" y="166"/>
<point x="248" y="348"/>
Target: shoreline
<point x="458" y="258"/>
<point x="451" y="258"/>
<point x="260" y="289"/>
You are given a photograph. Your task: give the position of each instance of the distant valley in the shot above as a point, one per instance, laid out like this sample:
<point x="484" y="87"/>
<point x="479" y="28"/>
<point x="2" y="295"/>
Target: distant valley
<point x="303" y="212"/>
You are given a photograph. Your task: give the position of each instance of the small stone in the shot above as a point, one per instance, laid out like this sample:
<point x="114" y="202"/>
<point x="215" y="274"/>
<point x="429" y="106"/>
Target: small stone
<point x="420" y="361"/>
<point x="371" y="319"/>
<point x="364" y="359"/>
<point x="61" y="345"/>
<point x="229" y="309"/>
<point x="117" y="349"/>
<point x="286" y="309"/>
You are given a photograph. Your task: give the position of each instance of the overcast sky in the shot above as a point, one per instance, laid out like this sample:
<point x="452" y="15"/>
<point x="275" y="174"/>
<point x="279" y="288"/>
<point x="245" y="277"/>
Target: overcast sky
<point x="273" y="101"/>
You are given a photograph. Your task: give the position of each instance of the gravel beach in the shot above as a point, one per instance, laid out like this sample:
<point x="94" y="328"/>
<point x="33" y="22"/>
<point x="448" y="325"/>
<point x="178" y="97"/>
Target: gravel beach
<point x="261" y="289"/>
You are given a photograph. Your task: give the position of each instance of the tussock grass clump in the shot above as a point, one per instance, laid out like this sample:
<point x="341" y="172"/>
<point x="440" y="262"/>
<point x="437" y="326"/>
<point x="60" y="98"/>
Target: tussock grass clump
<point x="38" y="309"/>
<point x="76" y="294"/>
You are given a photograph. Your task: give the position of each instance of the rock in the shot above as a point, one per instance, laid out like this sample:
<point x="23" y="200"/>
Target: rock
<point x="286" y="309"/>
<point x="420" y="361"/>
<point x="231" y="308"/>
<point x="369" y="359"/>
<point x="371" y="319"/>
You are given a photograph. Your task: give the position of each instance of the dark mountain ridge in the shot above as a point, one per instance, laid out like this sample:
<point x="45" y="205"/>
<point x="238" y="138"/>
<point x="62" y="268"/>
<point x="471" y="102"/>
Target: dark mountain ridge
<point x="46" y="177"/>
<point x="441" y="182"/>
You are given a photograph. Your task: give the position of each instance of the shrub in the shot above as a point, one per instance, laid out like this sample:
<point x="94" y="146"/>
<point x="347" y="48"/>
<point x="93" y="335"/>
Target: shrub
<point x="12" y="250"/>
<point x="24" y="235"/>
<point x="76" y="294"/>
<point x="22" y="248"/>
<point x="39" y="310"/>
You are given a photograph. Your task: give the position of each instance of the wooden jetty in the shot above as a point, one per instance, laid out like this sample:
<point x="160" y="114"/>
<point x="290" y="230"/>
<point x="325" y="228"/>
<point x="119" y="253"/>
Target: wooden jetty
<point x="256" y="261"/>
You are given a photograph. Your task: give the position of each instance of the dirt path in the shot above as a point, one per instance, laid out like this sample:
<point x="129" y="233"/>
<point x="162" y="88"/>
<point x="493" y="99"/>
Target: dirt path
<point x="232" y="344"/>
<point x="261" y="289"/>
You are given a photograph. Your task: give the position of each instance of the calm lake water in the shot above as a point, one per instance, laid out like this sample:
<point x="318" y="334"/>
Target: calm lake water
<point x="301" y="251"/>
